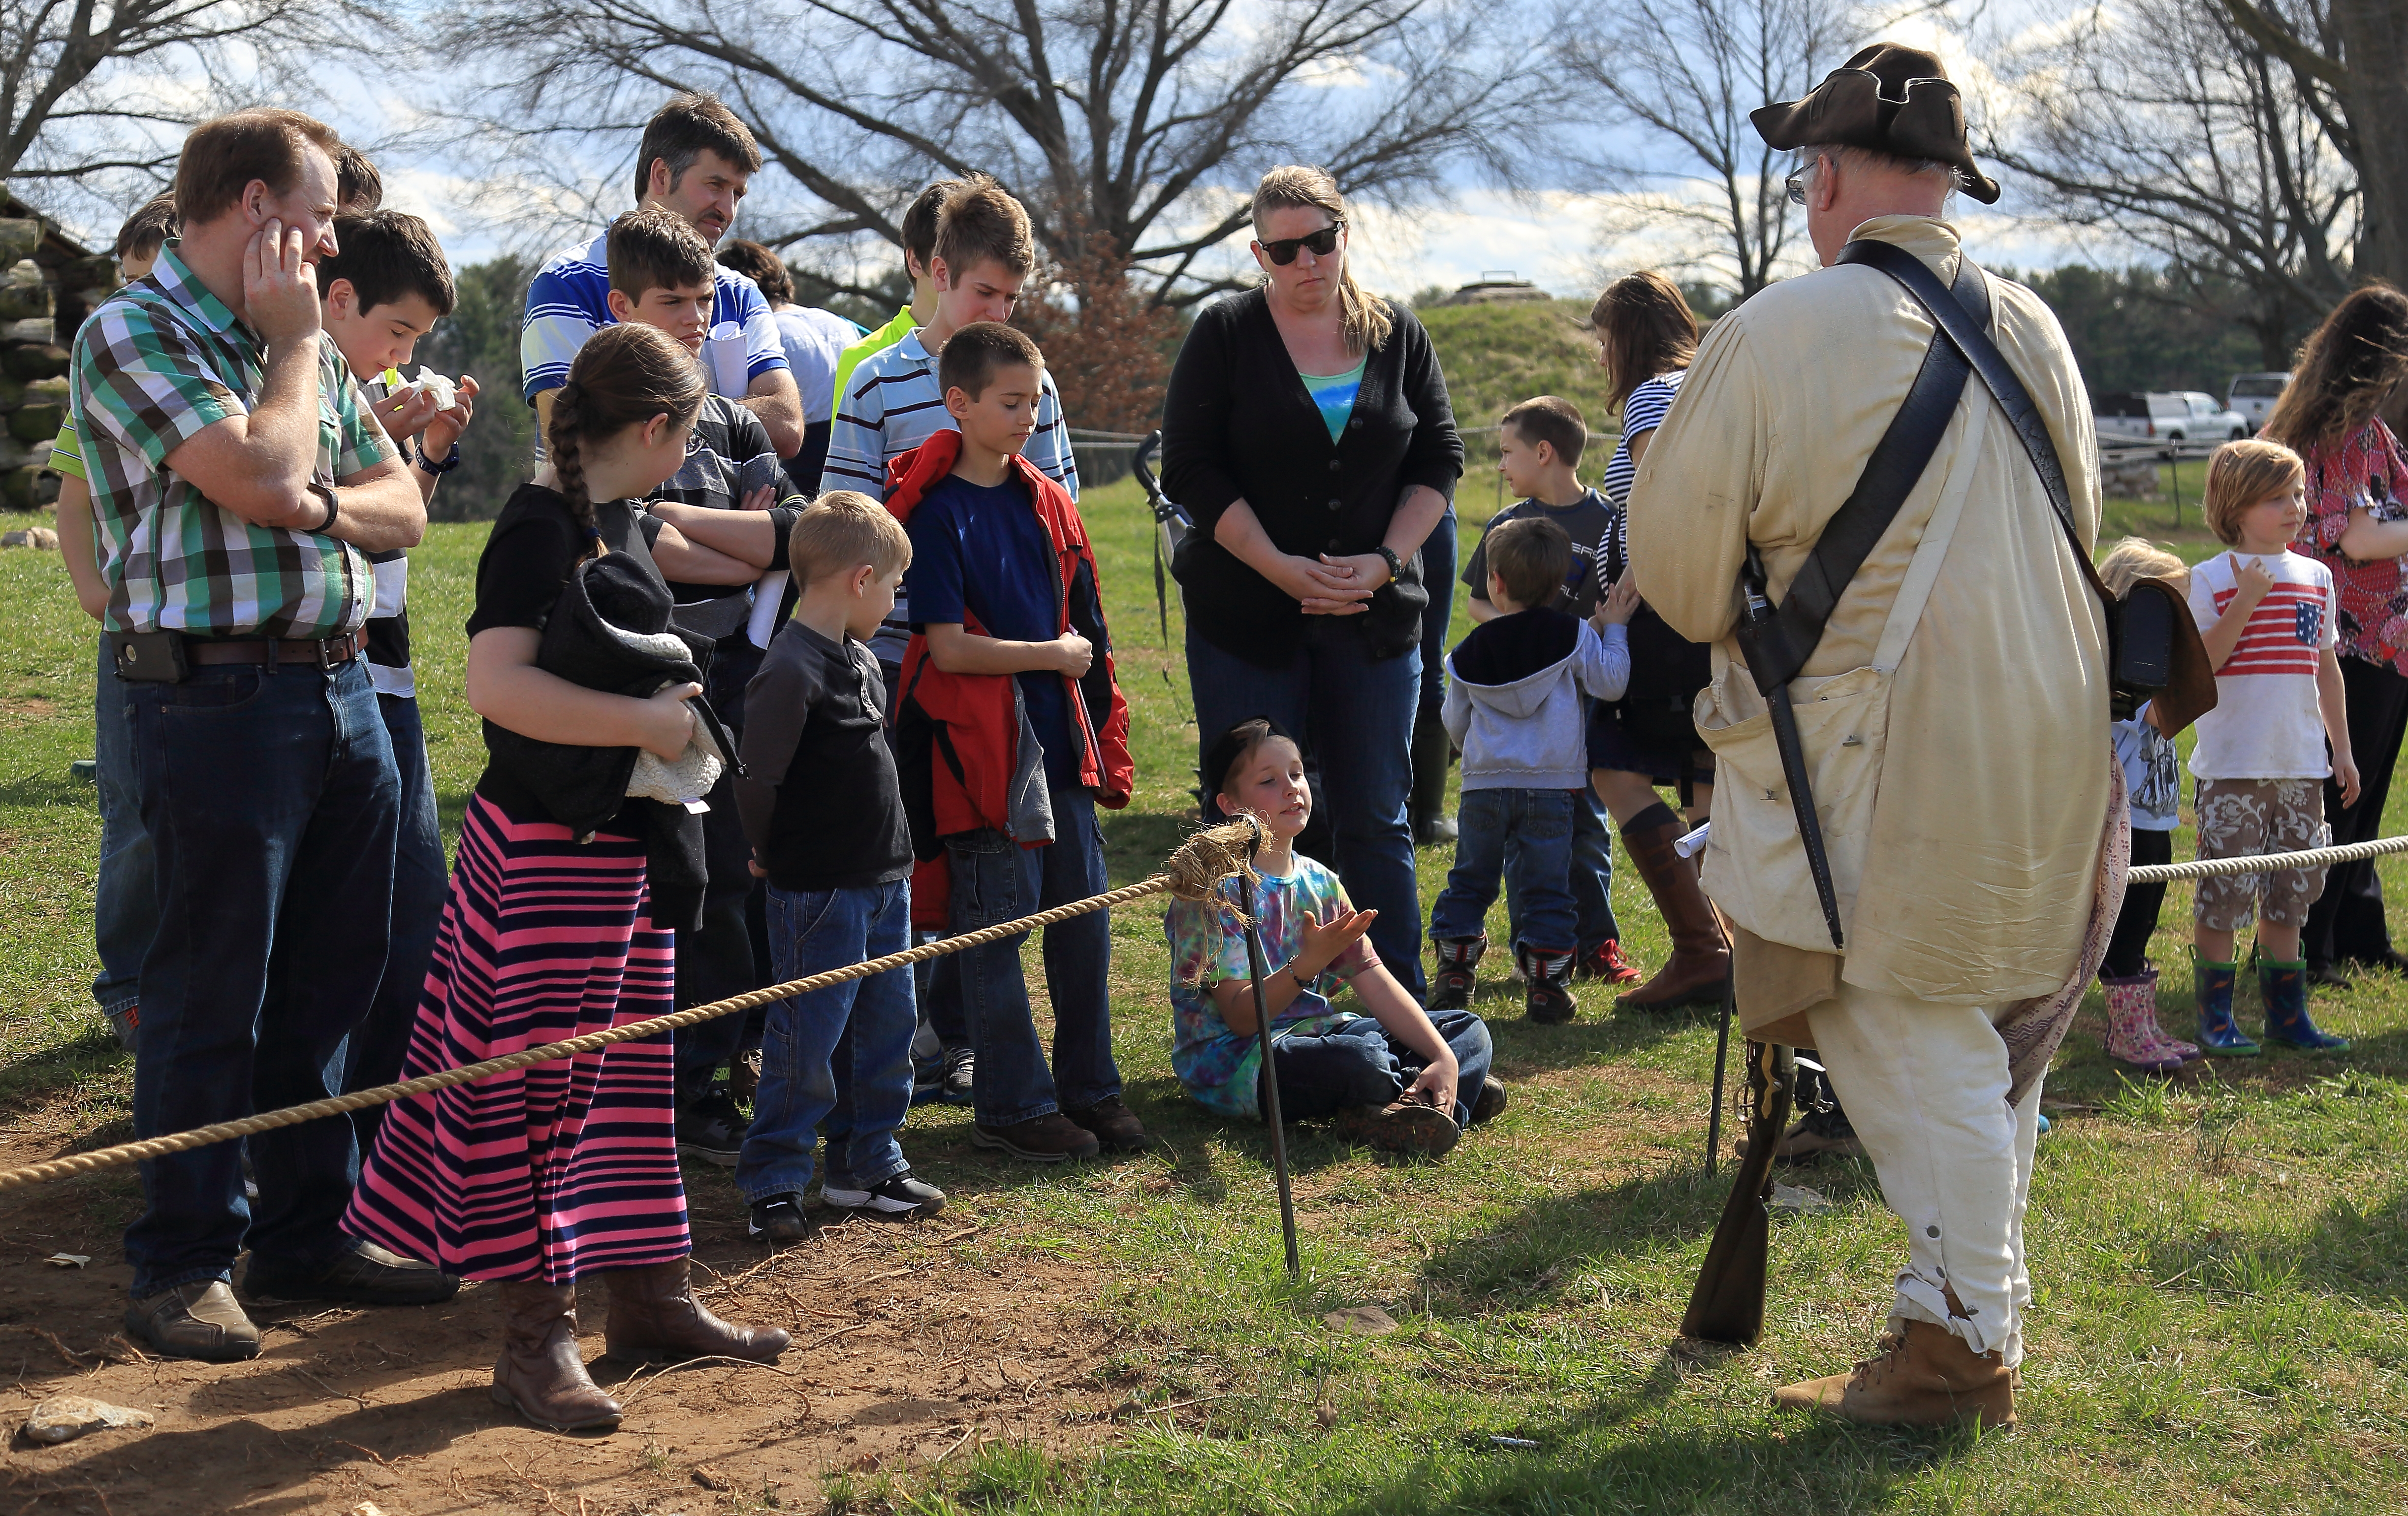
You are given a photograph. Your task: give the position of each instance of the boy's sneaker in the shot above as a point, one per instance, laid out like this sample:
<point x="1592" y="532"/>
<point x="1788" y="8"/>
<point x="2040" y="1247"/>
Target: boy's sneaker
<point x="961" y="1063"/>
<point x="1492" y="1102"/>
<point x="712" y="1130"/>
<point x="1053" y="1138"/>
<point x="779" y="1218"/>
<point x="1548" y="972"/>
<point x="1606" y="962"/>
<point x="1451" y="988"/>
<point x="1115" y="1126"/>
<point x="900" y="1198"/>
<point x="1402" y="1126"/>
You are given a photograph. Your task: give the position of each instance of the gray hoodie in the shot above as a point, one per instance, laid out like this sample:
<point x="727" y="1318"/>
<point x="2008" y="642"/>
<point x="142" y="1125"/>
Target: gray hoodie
<point x="1513" y="698"/>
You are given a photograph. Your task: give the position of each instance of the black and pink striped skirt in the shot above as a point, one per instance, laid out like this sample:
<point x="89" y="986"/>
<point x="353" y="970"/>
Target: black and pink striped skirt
<point x="566" y="1167"/>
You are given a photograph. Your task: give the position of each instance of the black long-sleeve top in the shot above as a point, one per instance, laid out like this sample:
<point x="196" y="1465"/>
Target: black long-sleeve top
<point x="1239" y="423"/>
<point x="821" y="802"/>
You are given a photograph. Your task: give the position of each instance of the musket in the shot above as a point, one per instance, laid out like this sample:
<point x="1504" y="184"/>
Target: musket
<point x="1728" y="1303"/>
<point x="1758" y="623"/>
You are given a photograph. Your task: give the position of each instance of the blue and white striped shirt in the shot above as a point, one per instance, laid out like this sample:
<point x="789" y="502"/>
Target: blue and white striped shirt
<point x="569" y="301"/>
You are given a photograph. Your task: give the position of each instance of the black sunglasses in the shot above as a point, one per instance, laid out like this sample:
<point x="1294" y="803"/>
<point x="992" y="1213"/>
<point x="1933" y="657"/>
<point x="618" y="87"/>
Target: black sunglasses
<point x="1323" y="243"/>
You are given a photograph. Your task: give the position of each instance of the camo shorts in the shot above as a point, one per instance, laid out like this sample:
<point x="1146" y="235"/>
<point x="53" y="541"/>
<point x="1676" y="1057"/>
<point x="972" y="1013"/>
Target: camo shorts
<point x="2243" y="819"/>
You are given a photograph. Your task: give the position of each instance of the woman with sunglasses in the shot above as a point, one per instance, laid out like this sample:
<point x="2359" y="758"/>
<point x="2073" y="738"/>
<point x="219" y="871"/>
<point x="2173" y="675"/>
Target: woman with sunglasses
<point x="1307" y="432"/>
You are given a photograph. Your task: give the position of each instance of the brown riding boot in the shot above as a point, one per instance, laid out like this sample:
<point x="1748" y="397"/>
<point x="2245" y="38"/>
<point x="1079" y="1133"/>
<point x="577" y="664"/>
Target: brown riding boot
<point x="655" y="1318"/>
<point x="1926" y="1376"/>
<point x="1700" y="958"/>
<point x="540" y="1372"/>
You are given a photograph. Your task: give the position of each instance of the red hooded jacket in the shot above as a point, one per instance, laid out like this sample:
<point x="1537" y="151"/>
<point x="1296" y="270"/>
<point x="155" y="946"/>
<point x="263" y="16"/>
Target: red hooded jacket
<point x="970" y="722"/>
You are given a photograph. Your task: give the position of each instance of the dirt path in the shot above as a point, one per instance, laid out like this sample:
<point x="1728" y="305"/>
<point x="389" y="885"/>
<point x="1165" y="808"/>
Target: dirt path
<point x="913" y="1343"/>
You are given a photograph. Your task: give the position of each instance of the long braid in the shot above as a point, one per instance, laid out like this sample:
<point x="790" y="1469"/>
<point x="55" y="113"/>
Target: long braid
<point x="625" y="377"/>
<point x="566" y="446"/>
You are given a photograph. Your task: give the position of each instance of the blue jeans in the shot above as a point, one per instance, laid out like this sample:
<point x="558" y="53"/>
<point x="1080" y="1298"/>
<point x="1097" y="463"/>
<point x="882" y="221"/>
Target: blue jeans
<point x="1525" y="835"/>
<point x="811" y="931"/>
<point x="419" y="883"/>
<point x="1593" y="870"/>
<point x="125" y="905"/>
<point x="1354" y="714"/>
<point x="995" y="879"/>
<point x="1360" y="1064"/>
<point x="1438" y="573"/>
<point x="272" y="801"/>
<point x="715" y="961"/>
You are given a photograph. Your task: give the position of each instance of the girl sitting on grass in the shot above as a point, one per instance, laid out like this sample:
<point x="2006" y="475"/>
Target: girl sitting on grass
<point x="1394" y="1078"/>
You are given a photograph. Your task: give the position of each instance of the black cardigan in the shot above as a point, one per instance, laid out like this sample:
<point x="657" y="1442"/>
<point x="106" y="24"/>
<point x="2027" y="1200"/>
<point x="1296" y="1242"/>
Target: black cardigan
<point x="1239" y="423"/>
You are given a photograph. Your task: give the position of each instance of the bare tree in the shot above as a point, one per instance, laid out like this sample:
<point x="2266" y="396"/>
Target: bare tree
<point x="2169" y="125"/>
<point x="1137" y="120"/>
<point x="1684" y="74"/>
<point x="89" y="88"/>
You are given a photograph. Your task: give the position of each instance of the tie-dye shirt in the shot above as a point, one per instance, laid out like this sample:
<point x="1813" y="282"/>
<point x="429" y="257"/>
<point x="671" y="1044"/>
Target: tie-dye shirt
<point x="1219" y="1066"/>
<point x="1335" y="394"/>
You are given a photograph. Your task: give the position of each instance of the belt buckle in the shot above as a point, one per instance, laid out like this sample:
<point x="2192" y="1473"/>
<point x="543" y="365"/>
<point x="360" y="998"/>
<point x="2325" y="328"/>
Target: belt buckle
<point x="327" y="662"/>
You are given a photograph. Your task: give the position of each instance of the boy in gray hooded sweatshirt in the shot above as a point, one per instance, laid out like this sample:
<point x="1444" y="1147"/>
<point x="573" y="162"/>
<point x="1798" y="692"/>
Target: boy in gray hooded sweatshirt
<point x="1513" y="706"/>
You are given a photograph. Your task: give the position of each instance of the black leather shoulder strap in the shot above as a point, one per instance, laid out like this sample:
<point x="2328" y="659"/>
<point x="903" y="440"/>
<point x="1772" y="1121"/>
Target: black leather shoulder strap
<point x="1776" y="651"/>
<point x="1966" y="323"/>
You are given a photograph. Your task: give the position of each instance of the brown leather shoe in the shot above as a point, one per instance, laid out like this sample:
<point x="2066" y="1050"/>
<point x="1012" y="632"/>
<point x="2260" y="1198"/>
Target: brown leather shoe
<point x="1700" y="959"/>
<point x="1115" y="1126"/>
<point x="200" y="1320"/>
<point x="1404" y="1126"/>
<point x="654" y="1318"/>
<point x="540" y="1373"/>
<point x="1052" y="1138"/>
<point x="1926" y="1376"/>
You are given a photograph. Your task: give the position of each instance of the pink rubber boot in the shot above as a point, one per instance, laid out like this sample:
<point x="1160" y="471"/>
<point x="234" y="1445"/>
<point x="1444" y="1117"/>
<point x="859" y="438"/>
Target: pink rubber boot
<point x="2133" y="1035"/>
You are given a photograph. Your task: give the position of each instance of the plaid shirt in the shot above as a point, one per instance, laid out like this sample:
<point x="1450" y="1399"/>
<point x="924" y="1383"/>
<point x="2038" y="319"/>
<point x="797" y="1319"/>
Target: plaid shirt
<point x="158" y="363"/>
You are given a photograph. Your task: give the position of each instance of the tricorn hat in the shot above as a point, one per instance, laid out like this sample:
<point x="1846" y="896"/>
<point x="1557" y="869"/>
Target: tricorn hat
<point x="1890" y="99"/>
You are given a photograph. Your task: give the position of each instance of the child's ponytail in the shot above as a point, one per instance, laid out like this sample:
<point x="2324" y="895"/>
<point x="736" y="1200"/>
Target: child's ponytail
<point x="623" y="376"/>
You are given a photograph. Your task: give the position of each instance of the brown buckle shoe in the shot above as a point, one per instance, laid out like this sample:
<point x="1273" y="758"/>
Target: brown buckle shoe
<point x="1115" y="1126"/>
<point x="1926" y="1375"/>
<point x="1041" y="1140"/>
<point x="1492" y="1102"/>
<point x="197" y="1320"/>
<point x="1402" y="1126"/>
<point x="654" y="1318"/>
<point x="540" y="1374"/>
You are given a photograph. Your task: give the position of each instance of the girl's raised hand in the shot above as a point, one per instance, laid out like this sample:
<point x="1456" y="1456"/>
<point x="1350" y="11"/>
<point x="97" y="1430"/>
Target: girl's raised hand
<point x="1326" y="942"/>
<point x="669" y="723"/>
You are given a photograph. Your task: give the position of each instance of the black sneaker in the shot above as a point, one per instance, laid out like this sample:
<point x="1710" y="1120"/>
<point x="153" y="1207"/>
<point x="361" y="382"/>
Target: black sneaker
<point x="712" y="1130"/>
<point x="960" y="1064"/>
<point x="366" y="1275"/>
<point x="900" y="1198"/>
<point x="779" y="1218"/>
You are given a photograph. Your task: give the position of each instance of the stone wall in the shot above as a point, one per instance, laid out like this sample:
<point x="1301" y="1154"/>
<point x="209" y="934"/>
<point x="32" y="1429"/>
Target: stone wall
<point x="47" y="284"/>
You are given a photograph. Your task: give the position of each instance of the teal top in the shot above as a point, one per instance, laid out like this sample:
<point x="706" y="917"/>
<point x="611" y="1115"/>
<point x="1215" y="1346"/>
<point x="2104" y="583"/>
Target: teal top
<point x="1334" y="394"/>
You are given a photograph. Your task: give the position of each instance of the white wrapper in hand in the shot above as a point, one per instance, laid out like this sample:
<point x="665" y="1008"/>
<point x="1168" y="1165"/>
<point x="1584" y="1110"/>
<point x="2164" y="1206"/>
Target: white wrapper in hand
<point x="430" y="382"/>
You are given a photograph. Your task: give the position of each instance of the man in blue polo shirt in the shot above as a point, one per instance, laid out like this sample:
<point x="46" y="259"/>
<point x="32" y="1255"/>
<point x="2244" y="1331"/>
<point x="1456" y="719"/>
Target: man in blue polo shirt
<point x="697" y="160"/>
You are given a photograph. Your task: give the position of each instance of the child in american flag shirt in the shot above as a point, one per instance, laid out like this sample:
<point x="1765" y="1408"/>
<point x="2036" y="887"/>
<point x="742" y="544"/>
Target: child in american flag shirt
<point x="2268" y="616"/>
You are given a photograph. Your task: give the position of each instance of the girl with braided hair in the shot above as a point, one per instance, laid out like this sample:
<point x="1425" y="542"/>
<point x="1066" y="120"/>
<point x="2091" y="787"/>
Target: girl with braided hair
<point x="568" y="1167"/>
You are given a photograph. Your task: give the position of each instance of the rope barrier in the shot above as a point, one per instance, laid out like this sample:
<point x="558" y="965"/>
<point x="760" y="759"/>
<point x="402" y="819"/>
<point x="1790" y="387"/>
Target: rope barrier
<point x="134" y="1152"/>
<point x="2150" y="874"/>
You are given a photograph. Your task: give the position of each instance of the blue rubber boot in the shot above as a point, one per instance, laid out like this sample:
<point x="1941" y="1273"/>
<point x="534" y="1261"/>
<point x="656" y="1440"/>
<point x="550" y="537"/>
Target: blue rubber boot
<point x="2219" y="1035"/>
<point x="2284" y="987"/>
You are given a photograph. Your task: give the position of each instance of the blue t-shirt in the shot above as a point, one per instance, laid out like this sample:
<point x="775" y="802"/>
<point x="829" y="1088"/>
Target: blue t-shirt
<point x="1334" y="395"/>
<point x="979" y="549"/>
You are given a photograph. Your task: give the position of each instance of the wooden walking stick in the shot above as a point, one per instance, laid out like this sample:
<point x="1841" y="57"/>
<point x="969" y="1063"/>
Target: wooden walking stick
<point x="1259" y="970"/>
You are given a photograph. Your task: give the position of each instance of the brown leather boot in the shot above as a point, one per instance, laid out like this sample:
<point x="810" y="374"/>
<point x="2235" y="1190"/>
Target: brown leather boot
<point x="654" y="1318"/>
<point x="1700" y="958"/>
<point x="1926" y="1376"/>
<point x="540" y="1373"/>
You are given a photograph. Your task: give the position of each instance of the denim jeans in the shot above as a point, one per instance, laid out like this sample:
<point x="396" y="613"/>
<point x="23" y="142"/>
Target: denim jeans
<point x="715" y="961"/>
<point x="995" y="879"/>
<point x="867" y="1023"/>
<point x="1438" y="573"/>
<point x="125" y="905"/>
<point x="272" y="801"/>
<point x="1360" y="1064"/>
<point x="1354" y="714"/>
<point x="1525" y="835"/>
<point x="419" y="883"/>
<point x="1593" y="870"/>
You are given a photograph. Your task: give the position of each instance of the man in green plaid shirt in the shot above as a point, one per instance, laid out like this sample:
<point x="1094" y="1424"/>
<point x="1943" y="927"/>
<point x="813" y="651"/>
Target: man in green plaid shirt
<point x="237" y="481"/>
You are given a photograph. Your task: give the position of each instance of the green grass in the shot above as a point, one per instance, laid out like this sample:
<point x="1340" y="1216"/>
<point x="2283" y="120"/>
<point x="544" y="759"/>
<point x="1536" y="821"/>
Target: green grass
<point x="2221" y="1270"/>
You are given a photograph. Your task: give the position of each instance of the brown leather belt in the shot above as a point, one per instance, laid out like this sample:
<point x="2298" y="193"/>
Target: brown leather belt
<point x="328" y="653"/>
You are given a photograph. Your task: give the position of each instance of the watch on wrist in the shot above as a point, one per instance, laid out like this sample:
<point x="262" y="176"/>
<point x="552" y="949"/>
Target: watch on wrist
<point x="326" y="494"/>
<point x="439" y="469"/>
<point x="1395" y="565"/>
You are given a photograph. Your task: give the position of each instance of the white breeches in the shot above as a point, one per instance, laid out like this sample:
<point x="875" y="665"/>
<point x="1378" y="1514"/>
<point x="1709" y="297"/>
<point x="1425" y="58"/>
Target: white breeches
<point x="1926" y="1087"/>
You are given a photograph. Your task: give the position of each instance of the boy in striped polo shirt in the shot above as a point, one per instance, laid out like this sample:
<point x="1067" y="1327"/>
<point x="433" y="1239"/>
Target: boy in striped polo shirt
<point x="2269" y="617"/>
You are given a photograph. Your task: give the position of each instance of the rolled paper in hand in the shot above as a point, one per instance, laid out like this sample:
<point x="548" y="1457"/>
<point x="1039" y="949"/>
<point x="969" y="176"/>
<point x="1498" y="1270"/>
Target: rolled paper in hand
<point x="1689" y="845"/>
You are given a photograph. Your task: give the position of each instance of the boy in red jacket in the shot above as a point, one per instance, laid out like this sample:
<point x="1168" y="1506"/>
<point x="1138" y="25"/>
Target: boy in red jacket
<point x="1011" y="729"/>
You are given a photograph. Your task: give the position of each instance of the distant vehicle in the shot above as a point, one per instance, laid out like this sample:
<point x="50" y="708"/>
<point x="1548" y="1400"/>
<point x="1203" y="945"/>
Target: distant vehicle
<point x="2167" y="416"/>
<point x="2253" y="396"/>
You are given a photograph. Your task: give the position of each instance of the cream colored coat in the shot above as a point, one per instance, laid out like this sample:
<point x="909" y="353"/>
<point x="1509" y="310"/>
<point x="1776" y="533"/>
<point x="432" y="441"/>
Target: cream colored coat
<point x="1971" y="880"/>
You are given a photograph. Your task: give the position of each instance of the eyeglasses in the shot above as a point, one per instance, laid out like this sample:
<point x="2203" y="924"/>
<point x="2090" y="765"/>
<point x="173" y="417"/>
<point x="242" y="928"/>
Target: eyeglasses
<point x="1323" y="243"/>
<point x="1795" y="185"/>
<point x="693" y="440"/>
